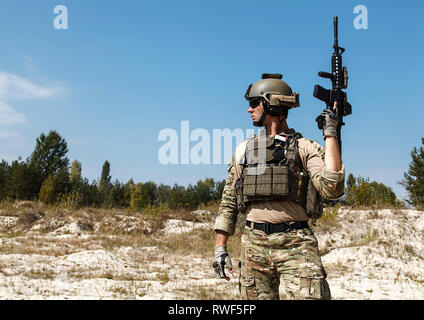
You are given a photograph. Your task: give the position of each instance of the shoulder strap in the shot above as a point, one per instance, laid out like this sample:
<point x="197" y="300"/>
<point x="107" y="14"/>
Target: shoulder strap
<point x="241" y="150"/>
<point x="293" y="148"/>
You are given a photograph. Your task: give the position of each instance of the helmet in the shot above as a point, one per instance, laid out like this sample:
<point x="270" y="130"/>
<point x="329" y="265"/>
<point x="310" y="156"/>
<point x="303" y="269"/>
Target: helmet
<point x="278" y="95"/>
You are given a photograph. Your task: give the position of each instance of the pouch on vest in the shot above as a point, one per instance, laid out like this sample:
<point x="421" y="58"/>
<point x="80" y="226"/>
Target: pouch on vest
<point x="314" y="206"/>
<point x="273" y="183"/>
<point x="298" y="186"/>
<point x="241" y="206"/>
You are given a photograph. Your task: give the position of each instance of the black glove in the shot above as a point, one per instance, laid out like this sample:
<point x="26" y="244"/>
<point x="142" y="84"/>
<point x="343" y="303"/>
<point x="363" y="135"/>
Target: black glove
<point x="328" y="122"/>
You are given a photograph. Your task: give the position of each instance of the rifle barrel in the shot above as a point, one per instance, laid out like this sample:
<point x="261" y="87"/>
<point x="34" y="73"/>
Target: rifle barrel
<point x="336" y="36"/>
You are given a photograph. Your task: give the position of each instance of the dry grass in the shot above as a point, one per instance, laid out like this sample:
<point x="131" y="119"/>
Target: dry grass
<point x="44" y="273"/>
<point x="211" y="293"/>
<point x="30" y="212"/>
<point x="49" y="246"/>
<point x="128" y="289"/>
<point x="329" y="219"/>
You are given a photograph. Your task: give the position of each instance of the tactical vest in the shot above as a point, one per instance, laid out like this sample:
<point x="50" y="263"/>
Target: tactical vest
<point x="273" y="170"/>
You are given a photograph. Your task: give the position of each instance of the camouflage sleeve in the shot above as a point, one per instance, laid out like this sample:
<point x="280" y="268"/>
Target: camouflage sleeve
<point x="330" y="184"/>
<point x="227" y="214"/>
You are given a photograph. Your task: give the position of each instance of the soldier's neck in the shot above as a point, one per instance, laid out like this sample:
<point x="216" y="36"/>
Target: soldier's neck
<point x="275" y="127"/>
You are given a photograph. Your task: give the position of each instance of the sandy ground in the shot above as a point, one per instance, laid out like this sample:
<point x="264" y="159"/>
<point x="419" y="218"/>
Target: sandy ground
<point x="375" y="255"/>
<point x="367" y="255"/>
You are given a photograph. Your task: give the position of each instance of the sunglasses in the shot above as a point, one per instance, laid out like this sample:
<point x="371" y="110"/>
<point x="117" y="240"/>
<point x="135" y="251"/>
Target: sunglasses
<point x="254" y="103"/>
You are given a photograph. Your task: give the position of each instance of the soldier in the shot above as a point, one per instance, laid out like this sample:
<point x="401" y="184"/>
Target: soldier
<point x="278" y="180"/>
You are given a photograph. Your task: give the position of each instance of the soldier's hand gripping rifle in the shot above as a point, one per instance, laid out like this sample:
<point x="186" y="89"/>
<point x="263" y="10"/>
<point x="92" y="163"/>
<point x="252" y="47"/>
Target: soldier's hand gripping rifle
<point x="338" y="77"/>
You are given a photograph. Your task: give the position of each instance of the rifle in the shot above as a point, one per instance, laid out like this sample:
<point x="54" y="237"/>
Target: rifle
<point x="338" y="77"/>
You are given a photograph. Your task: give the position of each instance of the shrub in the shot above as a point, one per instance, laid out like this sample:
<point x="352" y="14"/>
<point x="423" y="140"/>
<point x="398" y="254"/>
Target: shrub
<point x="47" y="192"/>
<point x="361" y="192"/>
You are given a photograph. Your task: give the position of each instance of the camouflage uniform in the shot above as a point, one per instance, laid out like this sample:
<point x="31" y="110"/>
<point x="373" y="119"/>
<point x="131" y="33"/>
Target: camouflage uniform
<point x="281" y="265"/>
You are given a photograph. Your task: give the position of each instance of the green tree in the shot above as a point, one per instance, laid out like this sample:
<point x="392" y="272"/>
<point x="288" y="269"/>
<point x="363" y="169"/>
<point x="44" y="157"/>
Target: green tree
<point x="105" y="185"/>
<point x="89" y="193"/>
<point x="413" y="180"/>
<point x="164" y="193"/>
<point x="47" y="192"/>
<point x="117" y="192"/>
<point x="136" y="197"/>
<point x="19" y="183"/>
<point x="219" y="188"/>
<point x="62" y="182"/>
<point x="4" y="174"/>
<point x="176" y="199"/>
<point x="204" y="191"/>
<point x="383" y="194"/>
<point x="192" y="196"/>
<point x="127" y="193"/>
<point x="76" y="196"/>
<point x="76" y="172"/>
<point x="105" y="178"/>
<point x="351" y="181"/>
<point x="48" y="157"/>
<point x="350" y="188"/>
<point x="360" y="191"/>
<point x="149" y="193"/>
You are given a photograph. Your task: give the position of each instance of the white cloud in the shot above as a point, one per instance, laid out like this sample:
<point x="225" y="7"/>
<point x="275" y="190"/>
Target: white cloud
<point x="9" y="117"/>
<point x="13" y="87"/>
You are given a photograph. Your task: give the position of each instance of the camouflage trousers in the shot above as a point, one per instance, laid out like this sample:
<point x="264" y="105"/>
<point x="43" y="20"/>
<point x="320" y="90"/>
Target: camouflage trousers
<point x="282" y="266"/>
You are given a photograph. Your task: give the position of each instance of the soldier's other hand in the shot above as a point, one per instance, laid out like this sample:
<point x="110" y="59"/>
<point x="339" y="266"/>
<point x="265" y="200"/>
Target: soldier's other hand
<point x="328" y="121"/>
<point x="221" y="262"/>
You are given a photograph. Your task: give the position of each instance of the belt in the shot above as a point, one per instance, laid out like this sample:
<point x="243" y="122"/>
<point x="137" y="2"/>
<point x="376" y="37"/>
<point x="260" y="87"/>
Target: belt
<point x="270" y="228"/>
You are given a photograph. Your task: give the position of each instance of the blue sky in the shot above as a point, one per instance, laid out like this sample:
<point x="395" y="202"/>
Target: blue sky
<point x="125" y="70"/>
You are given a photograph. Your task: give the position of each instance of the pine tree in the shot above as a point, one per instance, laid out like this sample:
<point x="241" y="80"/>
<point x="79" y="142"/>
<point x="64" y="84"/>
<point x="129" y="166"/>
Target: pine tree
<point x="117" y="194"/>
<point x="105" y="178"/>
<point x="164" y="193"/>
<point x="149" y="192"/>
<point x="62" y="183"/>
<point x="19" y="182"/>
<point x="414" y="179"/>
<point x="204" y="191"/>
<point x="219" y="188"/>
<point x="177" y="195"/>
<point x="4" y="173"/>
<point x="105" y="185"/>
<point x="48" y="157"/>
